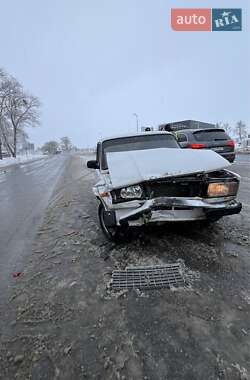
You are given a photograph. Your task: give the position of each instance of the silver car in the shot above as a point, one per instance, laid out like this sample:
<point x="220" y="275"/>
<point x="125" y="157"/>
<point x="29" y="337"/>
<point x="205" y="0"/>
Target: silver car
<point x="147" y="178"/>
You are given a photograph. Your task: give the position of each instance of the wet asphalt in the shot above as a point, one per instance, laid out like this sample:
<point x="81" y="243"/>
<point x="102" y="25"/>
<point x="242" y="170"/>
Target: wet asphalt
<point x="25" y="191"/>
<point x="63" y="321"/>
<point x="241" y="166"/>
<point x="24" y="194"/>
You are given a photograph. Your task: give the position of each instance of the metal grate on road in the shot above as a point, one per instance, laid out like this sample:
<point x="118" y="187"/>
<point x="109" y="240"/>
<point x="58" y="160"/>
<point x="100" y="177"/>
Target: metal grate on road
<point x="149" y="277"/>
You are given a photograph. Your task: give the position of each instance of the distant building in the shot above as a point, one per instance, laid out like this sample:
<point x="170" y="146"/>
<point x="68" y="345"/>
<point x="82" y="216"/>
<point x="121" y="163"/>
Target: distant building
<point x="185" y="124"/>
<point x="25" y="147"/>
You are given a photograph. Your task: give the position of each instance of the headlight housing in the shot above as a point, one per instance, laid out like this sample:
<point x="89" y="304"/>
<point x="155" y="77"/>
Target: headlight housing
<point x="131" y="192"/>
<point x="222" y="189"/>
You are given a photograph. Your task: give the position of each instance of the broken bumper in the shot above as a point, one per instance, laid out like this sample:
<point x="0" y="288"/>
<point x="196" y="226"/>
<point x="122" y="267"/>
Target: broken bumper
<point x="173" y="209"/>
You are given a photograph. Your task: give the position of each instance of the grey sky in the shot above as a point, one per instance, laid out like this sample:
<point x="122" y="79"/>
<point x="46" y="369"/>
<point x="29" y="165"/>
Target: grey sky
<point x="93" y="63"/>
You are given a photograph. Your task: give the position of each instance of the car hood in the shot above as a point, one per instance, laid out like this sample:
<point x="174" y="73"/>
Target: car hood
<point x="132" y="167"/>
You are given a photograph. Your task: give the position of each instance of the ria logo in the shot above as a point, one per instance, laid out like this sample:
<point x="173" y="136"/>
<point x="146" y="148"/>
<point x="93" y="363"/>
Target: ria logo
<point x="206" y="19"/>
<point x="226" y="20"/>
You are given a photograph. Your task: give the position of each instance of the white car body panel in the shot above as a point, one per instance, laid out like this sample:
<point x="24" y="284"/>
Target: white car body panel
<point x="133" y="167"/>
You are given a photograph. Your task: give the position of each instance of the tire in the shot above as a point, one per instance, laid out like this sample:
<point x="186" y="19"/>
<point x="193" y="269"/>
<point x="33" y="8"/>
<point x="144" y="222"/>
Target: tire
<point x="116" y="233"/>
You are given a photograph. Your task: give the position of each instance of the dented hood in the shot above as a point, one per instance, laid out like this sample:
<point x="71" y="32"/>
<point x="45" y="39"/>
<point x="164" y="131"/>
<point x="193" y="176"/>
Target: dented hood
<point x="132" y="167"/>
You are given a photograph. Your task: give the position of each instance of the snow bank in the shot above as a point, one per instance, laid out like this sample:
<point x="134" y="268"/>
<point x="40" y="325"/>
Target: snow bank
<point x="20" y="159"/>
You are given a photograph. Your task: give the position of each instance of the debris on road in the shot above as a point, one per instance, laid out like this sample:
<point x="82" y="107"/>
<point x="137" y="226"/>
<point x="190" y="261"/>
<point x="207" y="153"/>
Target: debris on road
<point x="18" y="359"/>
<point x="70" y="232"/>
<point x="67" y="350"/>
<point x="16" y="274"/>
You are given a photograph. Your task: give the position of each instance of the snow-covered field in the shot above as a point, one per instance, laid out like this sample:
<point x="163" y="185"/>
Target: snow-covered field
<point x="20" y="159"/>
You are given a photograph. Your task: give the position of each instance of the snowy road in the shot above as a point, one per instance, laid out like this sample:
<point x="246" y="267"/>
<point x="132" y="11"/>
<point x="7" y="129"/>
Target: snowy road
<point x="62" y="320"/>
<point x="24" y="194"/>
<point x="242" y="166"/>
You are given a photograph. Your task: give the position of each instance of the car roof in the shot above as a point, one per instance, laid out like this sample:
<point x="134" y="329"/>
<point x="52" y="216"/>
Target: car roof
<point x="136" y="134"/>
<point x="191" y="130"/>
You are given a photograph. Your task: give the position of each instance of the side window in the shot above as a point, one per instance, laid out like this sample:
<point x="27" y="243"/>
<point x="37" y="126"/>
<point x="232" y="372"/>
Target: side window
<point x="181" y="137"/>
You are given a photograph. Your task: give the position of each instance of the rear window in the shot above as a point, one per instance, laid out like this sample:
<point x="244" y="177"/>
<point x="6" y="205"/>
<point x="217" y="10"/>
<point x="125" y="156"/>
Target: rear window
<point x="142" y="142"/>
<point x="211" y="135"/>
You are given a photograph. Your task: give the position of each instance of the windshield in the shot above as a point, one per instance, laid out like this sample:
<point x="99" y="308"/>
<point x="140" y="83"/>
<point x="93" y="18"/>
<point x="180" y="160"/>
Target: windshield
<point x="137" y="143"/>
<point x="211" y="135"/>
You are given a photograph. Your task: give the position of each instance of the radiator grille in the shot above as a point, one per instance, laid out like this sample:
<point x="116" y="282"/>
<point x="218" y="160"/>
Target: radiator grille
<point x="174" y="189"/>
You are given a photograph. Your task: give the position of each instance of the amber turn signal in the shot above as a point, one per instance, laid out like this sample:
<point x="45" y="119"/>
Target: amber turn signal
<point x="220" y="189"/>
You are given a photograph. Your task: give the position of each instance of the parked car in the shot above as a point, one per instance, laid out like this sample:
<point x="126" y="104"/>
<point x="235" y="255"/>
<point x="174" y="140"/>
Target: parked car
<point x="148" y="178"/>
<point x="211" y="138"/>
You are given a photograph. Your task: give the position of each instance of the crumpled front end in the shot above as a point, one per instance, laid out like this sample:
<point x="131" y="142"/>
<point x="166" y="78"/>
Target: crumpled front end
<point x="167" y="209"/>
<point x="178" y="199"/>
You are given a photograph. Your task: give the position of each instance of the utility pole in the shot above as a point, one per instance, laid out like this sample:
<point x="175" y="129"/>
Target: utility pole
<point x="137" y="121"/>
<point x="1" y="155"/>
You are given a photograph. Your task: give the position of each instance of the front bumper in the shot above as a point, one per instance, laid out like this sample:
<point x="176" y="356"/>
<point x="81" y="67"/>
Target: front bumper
<point x="173" y="209"/>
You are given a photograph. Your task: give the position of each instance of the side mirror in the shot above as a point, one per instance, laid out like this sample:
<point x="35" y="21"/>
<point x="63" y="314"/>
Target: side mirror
<point x="93" y="164"/>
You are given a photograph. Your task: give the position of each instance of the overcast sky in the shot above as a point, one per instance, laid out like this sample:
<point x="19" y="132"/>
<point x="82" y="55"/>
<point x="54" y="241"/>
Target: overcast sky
<point x="93" y="63"/>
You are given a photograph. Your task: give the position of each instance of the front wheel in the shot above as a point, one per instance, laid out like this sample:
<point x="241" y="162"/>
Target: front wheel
<point x="114" y="233"/>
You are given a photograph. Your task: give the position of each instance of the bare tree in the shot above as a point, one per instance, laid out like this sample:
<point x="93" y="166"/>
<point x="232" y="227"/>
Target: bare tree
<point x="218" y="124"/>
<point x="50" y="147"/>
<point x="226" y="126"/>
<point x="2" y="78"/>
<point x="241" y="130"/>
<point x="21" y="110"/>
<point x="17" y="111"/>
<point x="66" y="144"/>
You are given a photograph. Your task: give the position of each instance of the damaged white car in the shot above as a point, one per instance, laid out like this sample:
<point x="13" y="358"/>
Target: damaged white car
<point x="148" y="178"/>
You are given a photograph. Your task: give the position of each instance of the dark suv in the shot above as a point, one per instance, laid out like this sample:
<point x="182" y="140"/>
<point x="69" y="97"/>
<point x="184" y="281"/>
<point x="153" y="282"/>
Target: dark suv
<point x="212" y="138"/>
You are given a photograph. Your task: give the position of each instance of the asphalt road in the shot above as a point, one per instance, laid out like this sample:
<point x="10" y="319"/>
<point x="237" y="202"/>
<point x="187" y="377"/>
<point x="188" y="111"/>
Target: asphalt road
<point x="24" y="194"/>
<point x="242" y="167"/>
<point x="64" y="322"/>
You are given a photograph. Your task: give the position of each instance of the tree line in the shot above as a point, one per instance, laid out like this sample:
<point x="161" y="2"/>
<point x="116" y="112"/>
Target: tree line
<point x="18" y="110"/>
<point x="239" y="130"/>
<point x="53" y="147"/>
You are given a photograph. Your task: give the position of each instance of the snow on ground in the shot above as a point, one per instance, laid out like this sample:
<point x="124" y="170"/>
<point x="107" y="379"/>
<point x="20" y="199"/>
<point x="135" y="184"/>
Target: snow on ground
<point x="20" y="159"/>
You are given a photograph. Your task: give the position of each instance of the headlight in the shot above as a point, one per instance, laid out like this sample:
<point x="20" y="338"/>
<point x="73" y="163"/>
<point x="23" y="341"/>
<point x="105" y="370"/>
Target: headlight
<point x="222" y="189"/>
<point x="131" y="192"/>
